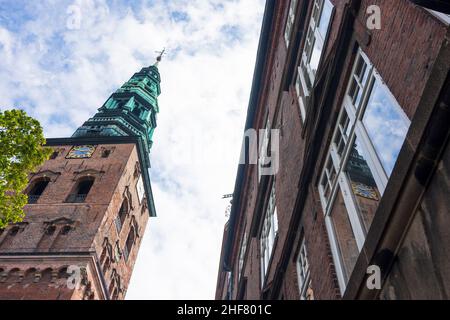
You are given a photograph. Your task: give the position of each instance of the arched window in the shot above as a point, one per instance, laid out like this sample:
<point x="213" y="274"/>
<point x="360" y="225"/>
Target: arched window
<point x="115" y="294"/>
<point x="54" y="155"/>
<point x="50" y="230"/>
<point x="103" y="255"/>
<point x="121" y="216"/>
<point x="37" y="189"/>
<point x="129" y="244"/>
<point x="81" y="190"/>
<point x="106" y="265"/>
<point x="65" y="230"/>
<point x="30" y="275"/>
<point x="62" y="273"/>
<point x="112" y="283"/>
<point x="14" y="231"/>
<point x="106" y="153"/>
<point x="14" y="276"/>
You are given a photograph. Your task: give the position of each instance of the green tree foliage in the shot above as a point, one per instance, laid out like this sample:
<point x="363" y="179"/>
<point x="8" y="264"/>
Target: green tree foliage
<point x="21" y="151"/>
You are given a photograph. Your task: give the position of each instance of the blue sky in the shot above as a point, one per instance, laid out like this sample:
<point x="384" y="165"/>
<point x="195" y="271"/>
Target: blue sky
<point x="60" y="60"/>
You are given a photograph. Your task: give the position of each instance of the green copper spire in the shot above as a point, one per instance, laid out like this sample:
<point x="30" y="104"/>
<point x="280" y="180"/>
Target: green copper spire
<point x="130" y="111"/>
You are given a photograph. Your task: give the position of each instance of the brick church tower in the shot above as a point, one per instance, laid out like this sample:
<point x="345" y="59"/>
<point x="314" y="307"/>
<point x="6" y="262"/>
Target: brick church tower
<point x="88" y="204"/>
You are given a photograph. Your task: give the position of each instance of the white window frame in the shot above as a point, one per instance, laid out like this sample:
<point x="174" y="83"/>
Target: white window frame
<point x="263" y="149"/>
<point x="290" y="21"/>
<point x="303" y="272"/>
<point x="342" y="183"/>
<point x="312" y="35"/>
<point x="269" y="233"/>
<point x="445" y="18"/>
<point x="242" y="253"/>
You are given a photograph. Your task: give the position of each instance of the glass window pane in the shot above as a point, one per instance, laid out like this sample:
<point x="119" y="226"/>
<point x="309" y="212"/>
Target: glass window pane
<point x="315" y="56"/>
<point x="300" y="95"/>
<point x="360" y="70"/>
<point x="325" y="18"/>
<point x="365" y="192"/>
<point x="316" y="10"/>
<point x="342" y="133"/>
<point x="345" y="237"/>
<point x="386" y="126"/>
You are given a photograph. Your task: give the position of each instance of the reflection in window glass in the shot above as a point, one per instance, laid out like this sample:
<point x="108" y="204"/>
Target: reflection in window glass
<point x="325" y="18"/>
<point x="386" y="126"/>
<point x="342" y="134"/>
<point x="363" y="186"/>
<point x="344" y="235"/>
<point x="358" y="81"/>
<point x="290" y="22"/>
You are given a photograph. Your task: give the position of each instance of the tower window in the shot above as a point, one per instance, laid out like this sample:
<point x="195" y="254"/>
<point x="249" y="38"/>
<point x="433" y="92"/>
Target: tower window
<point x="65" y="230"/>
<point x="54" y="155"/>
<point x="106" y="265"/>
<point x="121" y="215"/>
<point x="137" y="112"/>
<point x="14" y="231"/>
<point x="50" y="230"/>
<point x="37" y="190"/>
<point x="129" y="243"/>
<point x="106" y="153"/>
<point x="62" y="273"/>
<point x="81" y="190"/>
<point x="115" y="294"/>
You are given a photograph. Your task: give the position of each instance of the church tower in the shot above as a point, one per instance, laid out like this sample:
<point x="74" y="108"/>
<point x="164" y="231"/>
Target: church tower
<point x="88" y="204"/>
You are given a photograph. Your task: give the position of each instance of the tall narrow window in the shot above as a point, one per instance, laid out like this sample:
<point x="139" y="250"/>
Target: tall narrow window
<point x="312" y="51"/>
<point x="304" y="280"/>
<point x="370" y="132"/>
<point x="122" y="215"/>
<point x="242" y="253"/>
<point x="54" y="155"/>
<point x="290" y="22"/>
<point x="81" y="190"/>
<point x="268" y="233"/>
<point x="37" y="190"/>
<point x="129" y="243"/>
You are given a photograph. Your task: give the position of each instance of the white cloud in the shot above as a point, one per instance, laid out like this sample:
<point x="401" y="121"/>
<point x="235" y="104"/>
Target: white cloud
<point x="62" y="76"/>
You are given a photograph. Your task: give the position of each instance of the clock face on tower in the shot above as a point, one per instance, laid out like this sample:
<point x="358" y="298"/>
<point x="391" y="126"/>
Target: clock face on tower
<point x="80" y="152"/>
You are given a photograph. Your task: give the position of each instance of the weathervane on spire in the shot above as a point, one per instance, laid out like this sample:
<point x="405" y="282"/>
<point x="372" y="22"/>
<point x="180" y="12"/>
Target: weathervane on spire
<point x="160" y="55"/>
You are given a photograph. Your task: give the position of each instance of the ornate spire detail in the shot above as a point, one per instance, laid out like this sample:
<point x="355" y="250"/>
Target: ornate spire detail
<point x="160" y="56"/>
<point x="131" y="110"/>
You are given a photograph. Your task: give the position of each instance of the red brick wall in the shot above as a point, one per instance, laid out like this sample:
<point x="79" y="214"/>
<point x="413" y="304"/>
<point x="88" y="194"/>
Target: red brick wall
<point x="403" y="52"/>
<point x="91" y="222"/>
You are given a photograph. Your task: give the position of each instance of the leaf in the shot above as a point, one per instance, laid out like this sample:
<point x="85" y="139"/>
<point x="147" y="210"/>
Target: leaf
<point x="21" y="151"/>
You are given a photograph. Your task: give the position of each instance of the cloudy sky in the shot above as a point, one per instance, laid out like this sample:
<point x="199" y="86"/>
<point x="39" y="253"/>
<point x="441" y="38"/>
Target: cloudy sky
<point x="60" y="60"/>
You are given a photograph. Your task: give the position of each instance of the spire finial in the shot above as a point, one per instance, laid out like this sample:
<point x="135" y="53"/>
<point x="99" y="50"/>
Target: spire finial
<point x="160" y="55"/>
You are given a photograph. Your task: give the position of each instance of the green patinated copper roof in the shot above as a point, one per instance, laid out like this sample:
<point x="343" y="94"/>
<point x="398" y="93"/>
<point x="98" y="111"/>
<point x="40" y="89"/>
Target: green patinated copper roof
<point x="130" y="111"/>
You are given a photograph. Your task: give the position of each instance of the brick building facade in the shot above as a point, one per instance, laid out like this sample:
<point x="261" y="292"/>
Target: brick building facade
<point x="88" y="205"/>
<point x="358" y="93"/>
